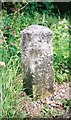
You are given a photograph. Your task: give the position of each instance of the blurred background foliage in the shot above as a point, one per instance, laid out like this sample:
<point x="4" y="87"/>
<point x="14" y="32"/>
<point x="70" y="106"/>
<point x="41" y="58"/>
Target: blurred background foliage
<point x="57" y="8"/>
<point x="14" y="18"/>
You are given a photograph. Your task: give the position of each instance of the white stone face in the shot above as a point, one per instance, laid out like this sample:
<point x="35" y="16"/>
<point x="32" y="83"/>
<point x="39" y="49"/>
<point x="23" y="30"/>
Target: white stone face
<point x="37" y="53"/>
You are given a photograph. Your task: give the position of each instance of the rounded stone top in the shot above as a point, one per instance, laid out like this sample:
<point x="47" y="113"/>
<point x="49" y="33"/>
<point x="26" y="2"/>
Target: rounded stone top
<point x="37" y="29"/>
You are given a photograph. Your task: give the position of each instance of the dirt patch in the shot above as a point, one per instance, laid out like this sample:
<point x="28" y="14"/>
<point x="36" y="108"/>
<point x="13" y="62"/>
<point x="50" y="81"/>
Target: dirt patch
<point x="54" y="101"/>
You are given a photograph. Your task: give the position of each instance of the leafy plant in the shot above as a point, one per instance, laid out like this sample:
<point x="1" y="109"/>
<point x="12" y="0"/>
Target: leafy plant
<point x="50" y="112"/>
<point x="67" y="104"/>
<point x="61" y="50"/>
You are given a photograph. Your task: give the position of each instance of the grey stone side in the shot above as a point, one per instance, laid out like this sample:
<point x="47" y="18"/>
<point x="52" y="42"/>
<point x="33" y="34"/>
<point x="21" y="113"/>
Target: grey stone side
<point x="37" y="55"/>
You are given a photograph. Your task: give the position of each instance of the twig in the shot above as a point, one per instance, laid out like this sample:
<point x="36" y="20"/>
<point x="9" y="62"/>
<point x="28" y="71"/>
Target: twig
<point x="21" y="8"/>
<point x="16" y="12"/>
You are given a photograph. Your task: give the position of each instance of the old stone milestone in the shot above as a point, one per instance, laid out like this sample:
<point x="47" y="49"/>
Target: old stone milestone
<point x="37" y="53"/>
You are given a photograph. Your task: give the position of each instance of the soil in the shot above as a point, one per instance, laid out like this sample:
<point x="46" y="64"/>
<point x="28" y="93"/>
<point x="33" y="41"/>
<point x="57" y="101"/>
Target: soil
<point x="55" y="101"/>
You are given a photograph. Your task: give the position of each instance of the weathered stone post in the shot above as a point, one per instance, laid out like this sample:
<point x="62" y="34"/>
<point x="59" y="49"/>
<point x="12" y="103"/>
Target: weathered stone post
<point x="37" y="56"/>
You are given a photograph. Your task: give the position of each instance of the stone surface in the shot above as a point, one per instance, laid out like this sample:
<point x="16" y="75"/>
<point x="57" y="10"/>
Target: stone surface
<point x="37" y="53"/>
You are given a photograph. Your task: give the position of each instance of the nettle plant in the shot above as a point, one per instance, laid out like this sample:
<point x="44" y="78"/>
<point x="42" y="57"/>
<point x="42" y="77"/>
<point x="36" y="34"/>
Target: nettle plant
<point x="61" y="50"/>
